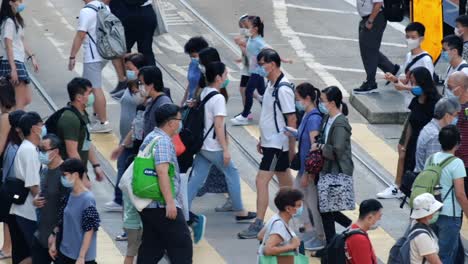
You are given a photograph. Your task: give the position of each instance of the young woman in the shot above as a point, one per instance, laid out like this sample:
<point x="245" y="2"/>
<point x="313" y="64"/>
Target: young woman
<point x="12" y="54"/>
<point x="421" y="112"/>
<point x="241" y="41"/>
<point x="307" y="100"/>
<point x="335" y="143"/>
<point x="80" y="219"/>
<point x="277" y="237"/>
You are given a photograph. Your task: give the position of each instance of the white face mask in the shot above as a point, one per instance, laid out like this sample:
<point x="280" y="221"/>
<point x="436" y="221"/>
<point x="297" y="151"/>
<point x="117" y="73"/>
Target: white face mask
<point x="412" y="43"/>
<point x="142" y="90"/>
<point x="458" y="32"/>
<point x="138" y="98"/>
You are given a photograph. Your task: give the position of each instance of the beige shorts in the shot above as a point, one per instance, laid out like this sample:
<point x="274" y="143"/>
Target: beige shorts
<point x="134" y="241"/>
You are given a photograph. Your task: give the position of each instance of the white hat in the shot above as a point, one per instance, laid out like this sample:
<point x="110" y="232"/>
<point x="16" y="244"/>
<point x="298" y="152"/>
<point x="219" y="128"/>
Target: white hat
<point x="424" y="205"/>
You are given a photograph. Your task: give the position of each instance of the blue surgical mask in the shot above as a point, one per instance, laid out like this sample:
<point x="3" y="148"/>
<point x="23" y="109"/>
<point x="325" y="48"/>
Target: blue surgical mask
<point x="262" y="72"/>
<point x="195" y="60"/>
<point x="323" y="109"/>
<point x="65" y="182"/>
<point x="20" y="8"/>
<point x="43" y="131"/>
<point x="449" y="94"/>
<point x="44" y="158"/>
<point x="417" y="91"/>
<point x="299" y="211"/>
<point x="455" y="121"/>
<point x="445" y="56"/>
<point x="225" y="83"/>
<point x="300" y="106"/>
<point x="131" y="75"/>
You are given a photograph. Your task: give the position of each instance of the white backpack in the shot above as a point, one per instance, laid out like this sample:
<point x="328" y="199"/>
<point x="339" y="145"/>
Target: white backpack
<point x="110" y="34"/>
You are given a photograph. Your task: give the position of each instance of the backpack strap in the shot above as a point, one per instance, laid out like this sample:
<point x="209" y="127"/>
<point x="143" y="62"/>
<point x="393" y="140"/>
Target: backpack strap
<point x="278" y="84"/>
<point x="416" y="59"/>
<point x="202" y="104"/>
<point x="78" y="115"/>
<point x="463" y="66"/>
<point x="447" y="161"/>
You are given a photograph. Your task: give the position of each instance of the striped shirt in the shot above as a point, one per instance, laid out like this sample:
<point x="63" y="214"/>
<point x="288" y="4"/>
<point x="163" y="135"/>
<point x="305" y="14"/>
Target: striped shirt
<point x="462" y="125"/>
<point x="428" y="144"/>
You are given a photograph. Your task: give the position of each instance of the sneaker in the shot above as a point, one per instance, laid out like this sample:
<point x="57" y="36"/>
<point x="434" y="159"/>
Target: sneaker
<point x="252" y="231"/>
<point x="248" y="218"/>
<point x="122" y="237"/>
<point x="113" y="207"/>
<point x="240" y="121"/>
<point x="390" y="193"/>
<point x="366" y="88"/>
<point x="120" y="86"/>
<point x="94" y="119"/>
<point x="198" y="228"/>
<point x="227" y="207"/>
<point x="314" y="244"/>
<point x="250" y="117"/>
<point x="101" y="127"/>
<point x="118" y="95"/>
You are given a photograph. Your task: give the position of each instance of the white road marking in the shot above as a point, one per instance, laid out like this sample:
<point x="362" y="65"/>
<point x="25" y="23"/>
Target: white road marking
<point x="395" y="25"/>
<point x="170" y="44"/>
<point x="281" y="21"/>
<point x="346" y="39"/>
<point x="321" y="9"/>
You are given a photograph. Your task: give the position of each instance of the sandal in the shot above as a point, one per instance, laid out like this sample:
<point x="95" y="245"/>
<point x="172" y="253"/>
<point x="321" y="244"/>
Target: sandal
<point x="3" y="256"/>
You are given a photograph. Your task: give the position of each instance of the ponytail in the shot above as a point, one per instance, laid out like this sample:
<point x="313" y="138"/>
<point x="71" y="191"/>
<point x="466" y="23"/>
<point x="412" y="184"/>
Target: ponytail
<point x="334" y="94"/>
<point x="258" y="23"/>
<point x="307" y="89"/>
<point x="344" y="108"/>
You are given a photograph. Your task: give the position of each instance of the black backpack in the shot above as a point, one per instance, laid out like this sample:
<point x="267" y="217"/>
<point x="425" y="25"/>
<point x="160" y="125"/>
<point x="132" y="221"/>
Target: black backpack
<point x="400" y="252"/>
<point x="335" y="252"/>
<point x="394" y="10"/>
<point x="193" y="121"/>
<point x="135" y="2"/>
<point x="299" y="113"/>
<point x="52" y="121"/>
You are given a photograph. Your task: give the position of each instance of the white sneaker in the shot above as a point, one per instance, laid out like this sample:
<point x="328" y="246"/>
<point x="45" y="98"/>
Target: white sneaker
<point x="240" y="121"/>
<point x="390" y="193"/>
<point x="113" y="207"/>
<point x="100" y="127"/>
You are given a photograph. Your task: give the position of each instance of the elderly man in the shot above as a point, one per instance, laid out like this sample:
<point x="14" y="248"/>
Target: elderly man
<point x="445" y="113"/>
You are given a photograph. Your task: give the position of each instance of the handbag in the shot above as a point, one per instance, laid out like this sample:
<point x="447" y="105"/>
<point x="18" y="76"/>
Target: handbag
<point x="161" y="26"/>
<point x="145" y="183"/>
<point x="314" y="162"/>
<point x="336" y="193"/>
<point x="125" y="185"/>
<point x="179" y="145"/>
<point x="13" y="190"/>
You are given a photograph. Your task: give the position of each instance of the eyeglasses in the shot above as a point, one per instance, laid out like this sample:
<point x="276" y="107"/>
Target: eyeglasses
<point x="179" y="119"/>
<point x="46" y="150"/>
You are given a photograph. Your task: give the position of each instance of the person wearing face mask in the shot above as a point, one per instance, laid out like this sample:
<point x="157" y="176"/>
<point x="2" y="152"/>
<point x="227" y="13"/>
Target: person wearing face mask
<point x="308" y="97"/>
<point x="416" y="57"/>
<point x="49" y="200"/>
<point x="446" y="112"/>
<point x="215" y="149"/>
<point x="421" y="109"/>
<point x="452" y="53"/>
<point x="277" y="237"/>
<point x="358" y="247"/>
<point x="255" y="45"/>
<point x="78" y="219"/>
<point x="164" y="228"/>
<point x="14" y="51"/>
<point x="241" y="41"/>
<point x="193" y="48"/>
<point x="27" y="166"/>
<point x="461" y="30"/>
<point x="455" y="202"/>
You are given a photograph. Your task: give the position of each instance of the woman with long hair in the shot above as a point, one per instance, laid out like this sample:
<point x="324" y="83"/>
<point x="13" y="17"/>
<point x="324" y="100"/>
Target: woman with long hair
<point x="14" y="49"/>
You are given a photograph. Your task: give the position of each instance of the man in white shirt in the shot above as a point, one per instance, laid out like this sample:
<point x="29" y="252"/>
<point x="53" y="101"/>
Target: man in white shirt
<point x="452" y="53"/>
<point x="371" y="29"/>
<point x="93" y="63"/>
<point x="27" y="166"/>
<point x="278" y="112"/>
<point x="417" y="57"/>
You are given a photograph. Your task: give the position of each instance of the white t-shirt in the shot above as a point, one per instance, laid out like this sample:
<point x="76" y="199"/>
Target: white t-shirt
<point x="271" y="138"/>
<point x="216" y="106"/>
<point x="364" y="7"/>
<point x="9" y="31"/>
<point x="146" y="3"/>
<point x="277" y="226"/>
<point x="425" y="62"/>
<point x="27" y="167"/>
<point x="87" y="23"/>
<point x="423" y="245"/>
<point x="451" y="70"/>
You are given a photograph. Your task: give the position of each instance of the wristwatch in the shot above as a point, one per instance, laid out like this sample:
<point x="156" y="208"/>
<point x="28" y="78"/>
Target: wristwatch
<point x="96" y="165"/>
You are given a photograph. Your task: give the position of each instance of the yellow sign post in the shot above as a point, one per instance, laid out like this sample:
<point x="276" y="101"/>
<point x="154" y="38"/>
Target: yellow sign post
<point x="429" y="13"/>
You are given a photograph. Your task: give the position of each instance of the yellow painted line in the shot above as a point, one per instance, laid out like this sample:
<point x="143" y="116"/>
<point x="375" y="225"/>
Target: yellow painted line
<point x="108" y="253"/>
<point x="203" y="251"/>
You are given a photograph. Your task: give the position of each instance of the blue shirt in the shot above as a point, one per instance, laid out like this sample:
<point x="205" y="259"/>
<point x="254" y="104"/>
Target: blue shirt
<point x="164" y="152"/>
<point x="254" y="46"/>
<point x="310" y="122"/>
<point x="193" y="77"/>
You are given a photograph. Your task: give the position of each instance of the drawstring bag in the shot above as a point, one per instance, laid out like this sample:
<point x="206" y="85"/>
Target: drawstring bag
<point x="145" y="183"/>
<point x="179" y="145"/>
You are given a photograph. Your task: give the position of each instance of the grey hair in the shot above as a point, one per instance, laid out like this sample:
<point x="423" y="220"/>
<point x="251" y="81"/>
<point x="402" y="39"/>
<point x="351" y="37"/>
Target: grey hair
<point x="446" y="106"/>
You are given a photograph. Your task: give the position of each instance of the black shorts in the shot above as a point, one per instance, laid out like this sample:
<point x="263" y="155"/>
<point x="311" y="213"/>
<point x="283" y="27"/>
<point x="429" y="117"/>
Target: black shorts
<point x="21" y="247"/>
<point x="274" y="160"/>
<point x="244" y="80"/>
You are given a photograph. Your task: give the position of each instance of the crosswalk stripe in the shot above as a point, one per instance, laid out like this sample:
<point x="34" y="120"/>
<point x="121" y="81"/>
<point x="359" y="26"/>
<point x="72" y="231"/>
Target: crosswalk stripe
<point x="381" y="240"/>
<point x="203" y="251"/>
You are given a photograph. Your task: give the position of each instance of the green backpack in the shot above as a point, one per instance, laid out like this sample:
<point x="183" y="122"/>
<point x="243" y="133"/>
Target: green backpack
<point x="428" y="181"/>
<point x="145" y="183"/>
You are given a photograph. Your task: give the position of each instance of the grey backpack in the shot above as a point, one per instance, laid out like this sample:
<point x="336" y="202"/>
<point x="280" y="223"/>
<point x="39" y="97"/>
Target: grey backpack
<point x="110" y="34"/>
<point x="400" y="252"/>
